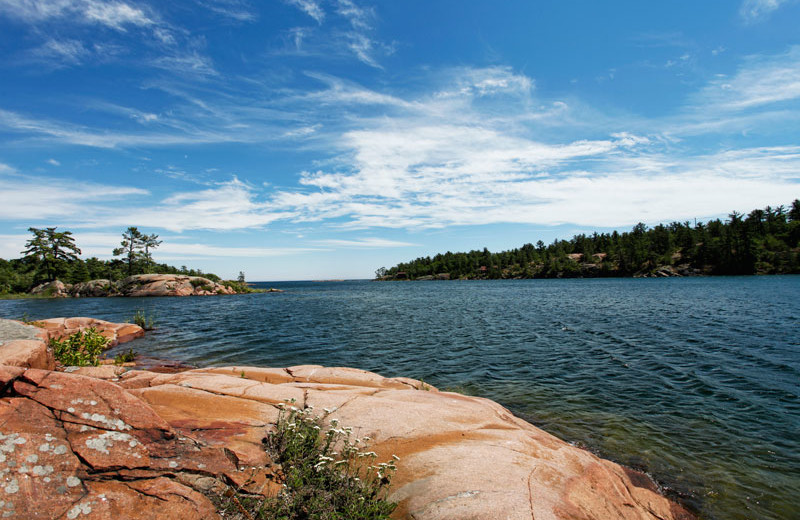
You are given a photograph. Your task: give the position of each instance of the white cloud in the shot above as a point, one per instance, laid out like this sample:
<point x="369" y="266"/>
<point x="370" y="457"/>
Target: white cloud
<point x="366" y="243"/>
<point x="101" y="245"/>
<point x="38" y="199"/>
<point x="116" y="15"/>
<point x="753" y="10"/>
<point x="69" y="52"/>
<point x="191" y="63"/>
<point x="311" y="8"/>
<point x="227" y="206"/>
<point x="53" y="162"/>
<point x="237" y="10"/>
<point x="762" y="80"/>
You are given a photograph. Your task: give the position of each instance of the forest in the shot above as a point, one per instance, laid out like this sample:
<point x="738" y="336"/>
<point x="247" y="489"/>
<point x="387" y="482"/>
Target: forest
<point x="765" y="241"/>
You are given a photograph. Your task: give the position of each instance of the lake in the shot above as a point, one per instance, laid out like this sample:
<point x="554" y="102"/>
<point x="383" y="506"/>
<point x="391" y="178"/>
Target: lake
<point x="695" y="380"/>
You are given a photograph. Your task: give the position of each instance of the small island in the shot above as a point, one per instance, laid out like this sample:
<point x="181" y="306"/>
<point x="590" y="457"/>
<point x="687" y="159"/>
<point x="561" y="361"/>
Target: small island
<point x="51" y="268"/>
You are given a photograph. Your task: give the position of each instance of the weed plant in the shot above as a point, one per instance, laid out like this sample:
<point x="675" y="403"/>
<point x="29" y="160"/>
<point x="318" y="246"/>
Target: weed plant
<point x="327" y="474"/>
<point x="125" y="357"/>
<point x="80" y="349"/>
<point x="147" y="322"/>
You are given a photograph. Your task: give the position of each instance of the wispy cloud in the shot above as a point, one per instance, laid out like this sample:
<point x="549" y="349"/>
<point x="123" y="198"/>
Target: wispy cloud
<point x="187" y="63"/>
<point x="114" y="14"/>
<point x="173" y="248"/>
<point x="236" y="10"/>
<point x="755" y="10"/>
<point x="366" y="243"/>
<point x="226" y="206"/>
<point x="64" y="52"/>
<point x="41" y="199"/>
<point x="311" y="8"/>
<point x="53" y="162"/>
<point x="760" y="81"/>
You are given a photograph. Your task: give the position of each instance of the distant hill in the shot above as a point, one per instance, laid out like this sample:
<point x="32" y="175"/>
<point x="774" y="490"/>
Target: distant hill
<point x="764" y="242"/>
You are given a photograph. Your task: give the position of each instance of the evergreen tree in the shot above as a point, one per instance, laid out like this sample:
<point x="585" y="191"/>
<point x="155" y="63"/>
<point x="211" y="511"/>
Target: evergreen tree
<point x="132" y="245"/>
<point x="149" y="242"/>
<point x="51" y="249"/>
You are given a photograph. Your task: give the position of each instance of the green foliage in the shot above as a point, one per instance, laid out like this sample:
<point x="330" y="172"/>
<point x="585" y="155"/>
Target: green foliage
<point x="327" y="474"/>
<point x="145" y="321"/>
<point x="125" y="357"/>
<point x="239" y="287"/>
<point x="80" y="349"/>
<point x="763" y="242"/>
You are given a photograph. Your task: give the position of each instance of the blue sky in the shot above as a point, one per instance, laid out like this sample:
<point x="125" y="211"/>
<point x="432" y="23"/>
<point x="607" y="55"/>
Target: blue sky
<point x="312" y="139"/>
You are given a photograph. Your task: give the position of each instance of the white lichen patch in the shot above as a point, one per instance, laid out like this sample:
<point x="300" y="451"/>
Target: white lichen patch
<point x="71" y="409"/>
<point x="60" y="449"/>
<point x="44" y="448"/>
<point x="33" y="459"/>
<point x="84" y="508"/>
<point x="92" y="403"/>
<point x="48" y="437"/>
<point x="106" y="440"/>
<point x="112" y="424"/>
<point x="173" y="464"/>
<point x="41" y="471"/>
<point x="87" y="428"/>
<point x="73" y="481"/>
<point x="12" y="487"/>
<point x="10" y="442"/>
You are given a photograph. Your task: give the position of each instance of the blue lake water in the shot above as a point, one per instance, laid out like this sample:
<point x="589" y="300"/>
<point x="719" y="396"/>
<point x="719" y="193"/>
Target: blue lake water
<point x="696" y="381"/>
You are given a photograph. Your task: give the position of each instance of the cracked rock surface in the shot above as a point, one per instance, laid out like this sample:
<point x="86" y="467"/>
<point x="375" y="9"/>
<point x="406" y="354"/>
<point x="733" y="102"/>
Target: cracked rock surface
<point x="151" y="445"/>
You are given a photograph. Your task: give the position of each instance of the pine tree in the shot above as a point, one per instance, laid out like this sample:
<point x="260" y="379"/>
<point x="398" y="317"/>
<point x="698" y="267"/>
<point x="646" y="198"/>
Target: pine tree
<point x="50" y="248"/>
<point x="132" y="245"/>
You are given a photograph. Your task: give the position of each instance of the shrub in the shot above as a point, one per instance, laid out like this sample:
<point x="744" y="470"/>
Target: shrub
<point x="239" y="287"/>
<point x="80" y="349"/>
<point x="326" y="474"/>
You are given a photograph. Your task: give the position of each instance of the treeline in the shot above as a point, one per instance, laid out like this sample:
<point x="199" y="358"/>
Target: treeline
<point x="52" y="254"/>
<point x="763" y="242"/>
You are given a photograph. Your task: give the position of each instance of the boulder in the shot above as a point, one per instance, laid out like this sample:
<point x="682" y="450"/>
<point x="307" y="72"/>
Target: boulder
<point x="54" y="289"/>
<point x="24" y="345"/>
<point x="94" y="288"/>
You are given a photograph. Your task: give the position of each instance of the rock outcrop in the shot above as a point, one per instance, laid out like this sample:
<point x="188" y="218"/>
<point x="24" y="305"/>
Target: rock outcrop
<point x="137" y="285"/>
<point x="170" y="285"/>
<point x="148" y="445"/>
<point x="25" y="345"/>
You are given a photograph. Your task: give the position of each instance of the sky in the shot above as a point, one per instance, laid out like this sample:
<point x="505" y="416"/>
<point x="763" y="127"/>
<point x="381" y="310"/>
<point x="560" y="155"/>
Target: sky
<point x="322" y="139"/>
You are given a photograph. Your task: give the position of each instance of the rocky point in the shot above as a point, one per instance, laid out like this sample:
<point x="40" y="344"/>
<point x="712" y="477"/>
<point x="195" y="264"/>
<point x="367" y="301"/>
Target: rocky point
<point x="141" y="444"/>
